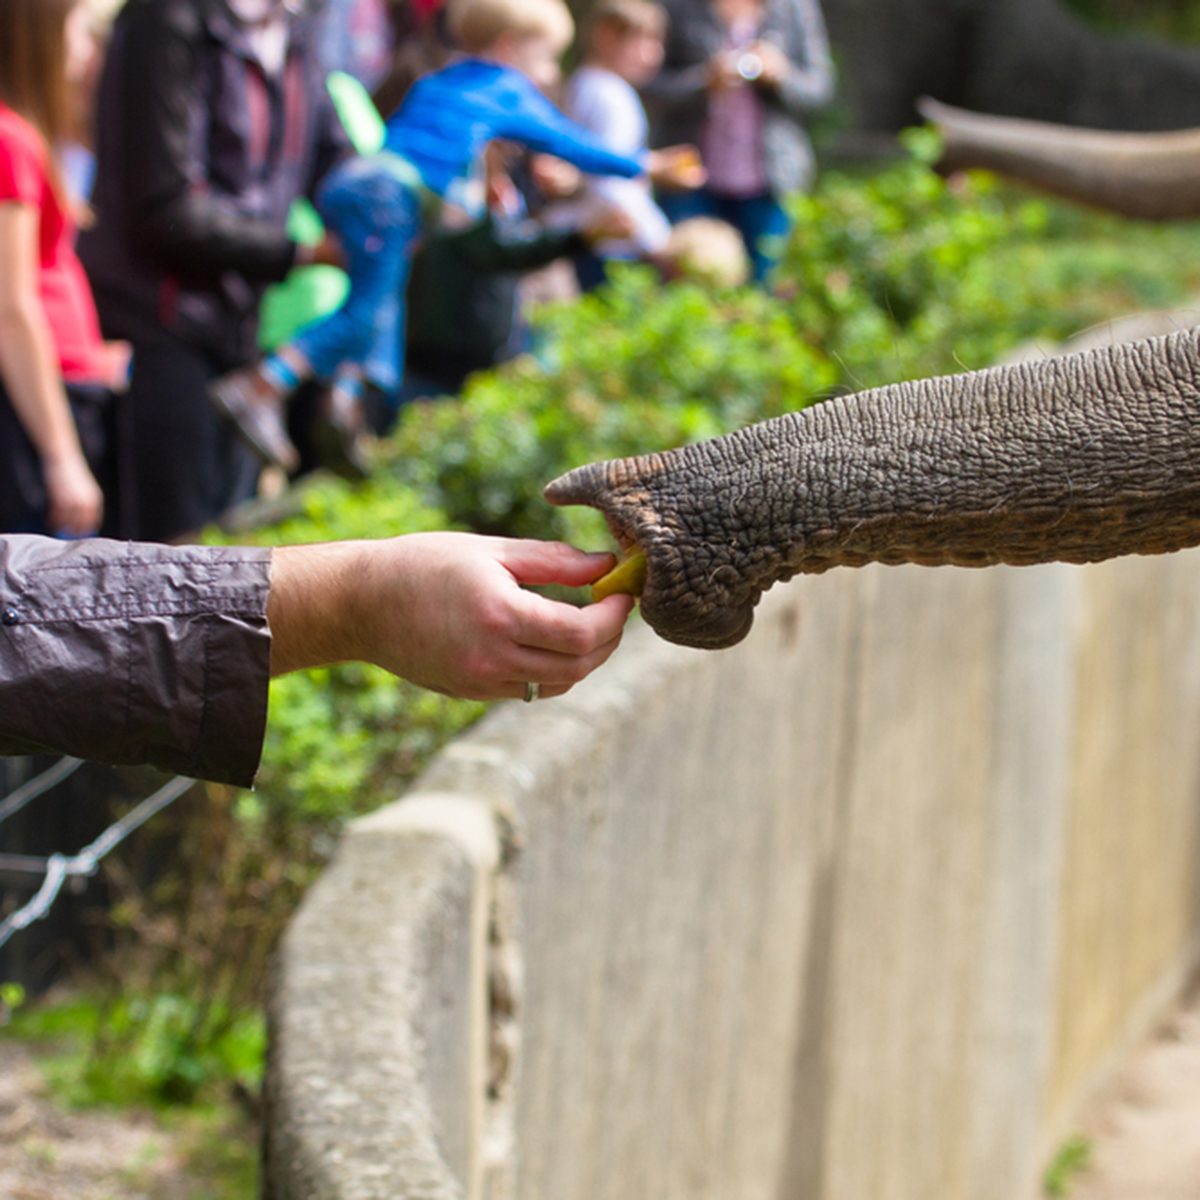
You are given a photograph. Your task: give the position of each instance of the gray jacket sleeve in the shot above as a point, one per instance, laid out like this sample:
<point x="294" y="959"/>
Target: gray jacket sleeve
<point x="809" y="81"/>
<point x="131" y="653"/>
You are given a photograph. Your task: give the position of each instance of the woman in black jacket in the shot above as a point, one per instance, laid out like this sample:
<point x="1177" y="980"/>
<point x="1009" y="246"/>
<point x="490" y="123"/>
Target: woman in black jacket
<point x="212" y="117"/>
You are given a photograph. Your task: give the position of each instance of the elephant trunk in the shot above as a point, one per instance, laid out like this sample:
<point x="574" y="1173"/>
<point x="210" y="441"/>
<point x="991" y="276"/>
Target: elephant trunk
<point x="1071" y="459"/>
<point x="1154" y="176"/>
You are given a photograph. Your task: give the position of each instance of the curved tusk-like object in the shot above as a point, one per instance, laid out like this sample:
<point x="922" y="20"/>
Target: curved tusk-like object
<point x="1152" y="176"/>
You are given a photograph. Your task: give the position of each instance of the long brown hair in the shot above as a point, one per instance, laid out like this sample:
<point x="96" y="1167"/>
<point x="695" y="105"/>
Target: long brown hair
<point x="33" y="64"/>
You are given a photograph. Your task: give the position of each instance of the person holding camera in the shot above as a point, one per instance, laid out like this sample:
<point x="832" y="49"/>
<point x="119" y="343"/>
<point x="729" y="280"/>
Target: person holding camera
<point x="739" y="78"/>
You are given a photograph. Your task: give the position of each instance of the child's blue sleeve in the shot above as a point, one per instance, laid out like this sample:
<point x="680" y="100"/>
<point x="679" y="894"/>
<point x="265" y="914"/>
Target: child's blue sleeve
<point x="536" y="123"/>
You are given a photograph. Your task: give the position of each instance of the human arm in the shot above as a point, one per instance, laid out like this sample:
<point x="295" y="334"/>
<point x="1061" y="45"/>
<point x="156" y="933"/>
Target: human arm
<point x="490" y="245"/>
<point x="444" y="610"/>
<point x="29" y="372"/>
<point x="134" y="653"/>
<point x="609" y="109"/>
<point x="685" y="75"/>
<point x="554" y="178"/>
<point x="172" y="213"/>
<point x="534" y="122"/>
<point x="797" y="72"/>
<point x="684" y="79"/>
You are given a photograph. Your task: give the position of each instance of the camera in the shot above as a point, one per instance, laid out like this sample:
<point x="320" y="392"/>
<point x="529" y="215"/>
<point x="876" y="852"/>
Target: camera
<point x="749" y="66"/>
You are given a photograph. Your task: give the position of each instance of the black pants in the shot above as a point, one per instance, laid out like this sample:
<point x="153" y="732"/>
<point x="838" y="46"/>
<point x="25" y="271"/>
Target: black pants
<point x="23" y="501"/>
<point x="181" y="464"/>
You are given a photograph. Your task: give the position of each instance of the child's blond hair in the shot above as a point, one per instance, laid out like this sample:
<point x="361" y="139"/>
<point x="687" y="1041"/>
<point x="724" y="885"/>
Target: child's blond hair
<point x="708" y="250"/>
<point x="476" y="25"/>
<point x="625" y="17"/>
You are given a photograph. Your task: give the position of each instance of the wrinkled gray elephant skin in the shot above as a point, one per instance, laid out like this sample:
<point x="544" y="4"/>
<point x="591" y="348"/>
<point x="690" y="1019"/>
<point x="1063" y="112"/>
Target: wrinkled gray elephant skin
<point x="1072" y="459"/>
<point x="1152" y="176"/>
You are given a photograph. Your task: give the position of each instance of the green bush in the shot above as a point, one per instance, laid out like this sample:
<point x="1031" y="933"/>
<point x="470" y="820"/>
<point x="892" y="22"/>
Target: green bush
<point x="629" y="369"/>
<point x="1178" y="20"/>
<point x="145" y="1049"/>
<point x="903" y="274"/>
<point x="885" y="272"/>
<point x="1070" y="1162"/>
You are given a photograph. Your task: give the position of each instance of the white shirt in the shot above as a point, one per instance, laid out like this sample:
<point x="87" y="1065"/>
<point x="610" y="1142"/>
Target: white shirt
<point x="608" y="107"/>
<point x="266" y="25"/>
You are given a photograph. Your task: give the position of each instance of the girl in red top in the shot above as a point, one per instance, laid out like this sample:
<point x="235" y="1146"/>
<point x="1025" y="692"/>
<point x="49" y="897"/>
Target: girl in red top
<point x="51" y="351"/>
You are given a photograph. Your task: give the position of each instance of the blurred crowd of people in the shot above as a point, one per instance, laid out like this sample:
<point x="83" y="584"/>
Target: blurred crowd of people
<point x="152" y="155"/>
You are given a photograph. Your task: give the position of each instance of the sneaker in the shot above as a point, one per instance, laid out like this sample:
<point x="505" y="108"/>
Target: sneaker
<point x="250" y="402"/>
<point x="339" y="431"/>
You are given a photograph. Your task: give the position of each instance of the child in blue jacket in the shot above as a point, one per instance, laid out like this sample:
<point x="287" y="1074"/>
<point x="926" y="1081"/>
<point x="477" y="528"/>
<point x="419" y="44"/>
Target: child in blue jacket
<point x="378" y="205"/>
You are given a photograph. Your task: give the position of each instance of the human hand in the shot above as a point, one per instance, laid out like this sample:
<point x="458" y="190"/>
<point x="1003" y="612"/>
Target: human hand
<point x="327" y="252"/>
<point x="677" y="168"/>
<point x="555" y="178"/>
<point x="445" y="610"/>
<point x="502" y="194"/>
<point x="723" y="72"/>
<point x="76" y="503"/>
<point x="610" y="224"/>
<point x="115" y="361"/>
<point x="773" y="63"/>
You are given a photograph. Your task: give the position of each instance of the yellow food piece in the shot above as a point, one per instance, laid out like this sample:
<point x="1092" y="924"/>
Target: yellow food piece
<point x="628" y="576"/>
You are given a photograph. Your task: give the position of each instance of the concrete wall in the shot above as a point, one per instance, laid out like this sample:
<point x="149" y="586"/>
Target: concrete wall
<point x="862" y="908"/>
<point x="377" y="1014"/>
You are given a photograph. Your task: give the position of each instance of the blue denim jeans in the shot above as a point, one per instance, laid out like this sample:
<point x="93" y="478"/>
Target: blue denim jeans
<point x="759" y="219"/>
<point x="373" y="205"/>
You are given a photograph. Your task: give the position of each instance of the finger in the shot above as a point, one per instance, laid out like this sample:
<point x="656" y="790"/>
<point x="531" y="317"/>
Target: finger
<point x="553" y="669"/>
<point x="543" y="624"/>
<point x="565" y="670"/>
<point x="536" y="563"/>
<point x="556" y="666"/>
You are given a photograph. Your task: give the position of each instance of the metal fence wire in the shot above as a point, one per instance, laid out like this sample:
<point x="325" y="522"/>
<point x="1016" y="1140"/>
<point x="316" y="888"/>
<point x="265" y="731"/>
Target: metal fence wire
<point x="38" y="786"/>
<point x="56" y="869"/>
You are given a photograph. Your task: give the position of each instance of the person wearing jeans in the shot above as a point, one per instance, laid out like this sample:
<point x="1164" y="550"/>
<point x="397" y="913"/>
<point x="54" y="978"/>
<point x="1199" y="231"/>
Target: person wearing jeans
<point x="432" y="156"/>
<point x="375" y="206"/>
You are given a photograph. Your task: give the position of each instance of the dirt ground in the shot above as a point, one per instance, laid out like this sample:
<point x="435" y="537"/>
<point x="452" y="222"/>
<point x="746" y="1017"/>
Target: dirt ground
<point x="1145" y="1130"/>
<point x="47" y="1153"/>
<point x="1144" y="1133"/>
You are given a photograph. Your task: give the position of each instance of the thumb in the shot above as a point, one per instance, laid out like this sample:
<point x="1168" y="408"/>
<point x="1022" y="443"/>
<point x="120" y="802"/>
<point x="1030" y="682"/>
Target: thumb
<point x="537" y="563"/>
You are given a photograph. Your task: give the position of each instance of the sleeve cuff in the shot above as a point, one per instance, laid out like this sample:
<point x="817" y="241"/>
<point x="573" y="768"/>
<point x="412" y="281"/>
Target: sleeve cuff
<point x="129" y="653"/>
<point x="220" y="654"/>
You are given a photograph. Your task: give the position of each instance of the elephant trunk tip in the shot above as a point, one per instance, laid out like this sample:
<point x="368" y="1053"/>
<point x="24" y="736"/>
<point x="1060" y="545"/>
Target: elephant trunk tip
<point x="583" y="485"/>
